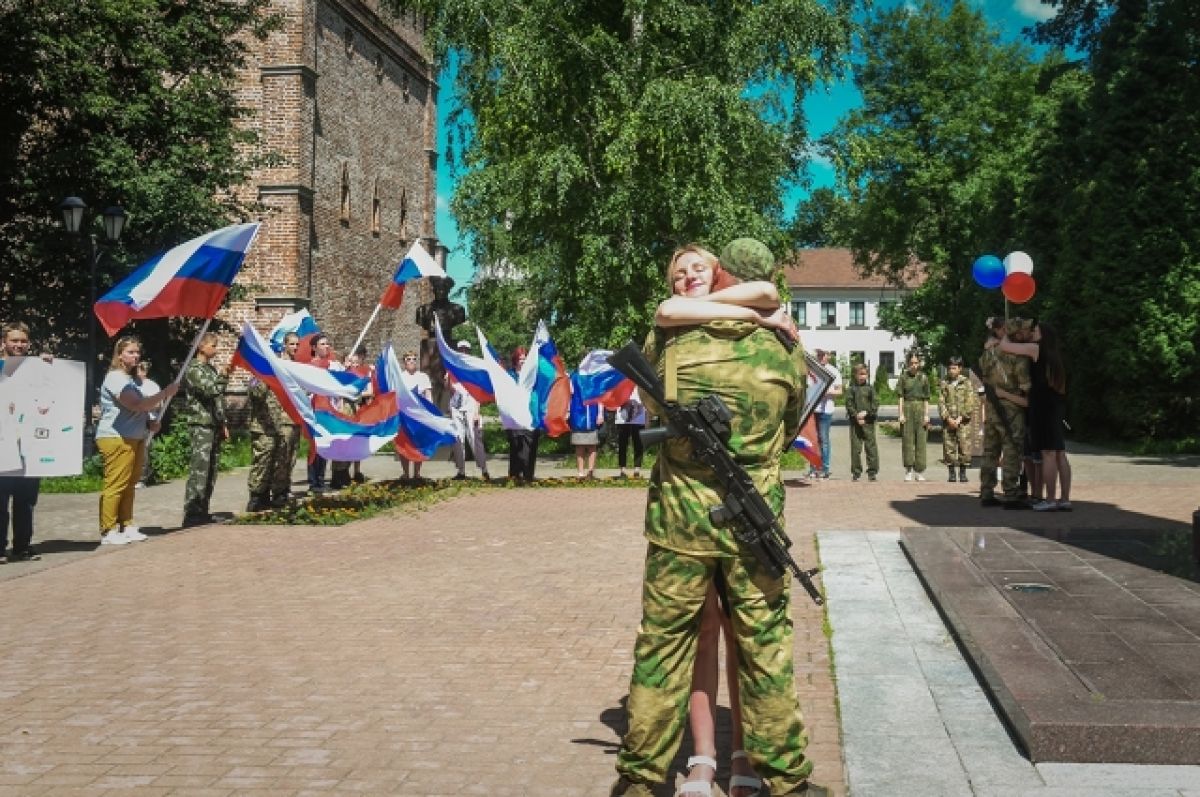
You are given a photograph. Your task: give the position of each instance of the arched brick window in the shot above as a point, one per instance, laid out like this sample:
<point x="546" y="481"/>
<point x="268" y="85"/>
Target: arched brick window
<point x="376" y="210"/>
<point x="345" y="212"/>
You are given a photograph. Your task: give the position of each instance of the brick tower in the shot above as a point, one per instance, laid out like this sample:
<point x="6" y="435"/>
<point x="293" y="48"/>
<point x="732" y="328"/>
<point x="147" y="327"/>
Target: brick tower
<point x="345" y="108"/>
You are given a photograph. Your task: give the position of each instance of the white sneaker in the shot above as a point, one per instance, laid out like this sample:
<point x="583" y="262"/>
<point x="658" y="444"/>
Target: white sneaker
<point x="908" y="476"/>
<point x="920" y="477"/>
<point x="115" y="537"/>
<point x="1045" y="506"/>
<point x="134" y="533"/>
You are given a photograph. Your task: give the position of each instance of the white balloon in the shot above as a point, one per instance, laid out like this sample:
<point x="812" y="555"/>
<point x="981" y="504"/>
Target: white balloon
<point x="1018" y="262"/>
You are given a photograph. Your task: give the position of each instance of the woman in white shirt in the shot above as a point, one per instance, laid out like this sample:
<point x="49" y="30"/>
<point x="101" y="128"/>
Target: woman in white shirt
<point x="125" y="418"/>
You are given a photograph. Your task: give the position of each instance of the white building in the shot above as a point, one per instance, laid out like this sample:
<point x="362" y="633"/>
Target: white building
<point x="838" y="310"/>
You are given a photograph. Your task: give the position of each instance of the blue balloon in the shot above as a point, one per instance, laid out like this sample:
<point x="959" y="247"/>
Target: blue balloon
<point x="988" y="271"/>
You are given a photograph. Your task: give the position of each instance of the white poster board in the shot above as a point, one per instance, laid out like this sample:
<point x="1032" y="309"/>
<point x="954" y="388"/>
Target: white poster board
<point x="41" y="417"/>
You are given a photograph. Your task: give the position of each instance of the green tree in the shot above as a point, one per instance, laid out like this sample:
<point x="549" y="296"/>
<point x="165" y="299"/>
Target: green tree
<point x="126" y="102"/>
<point x="597" y="136"/>
<point x="932" y="166"/>
<point x="1114" y="213"/>
<point x="499" y="307"/>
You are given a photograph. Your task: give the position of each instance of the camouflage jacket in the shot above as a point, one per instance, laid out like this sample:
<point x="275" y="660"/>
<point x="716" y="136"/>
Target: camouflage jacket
<point x="203" y="403"/>
<point x="266" y="413"/>
<point x="957" y="398"/>
<point x="762" y="385"/>
<point x="862" y="398"/>
<point x="1007" y="371"/>
<point x="913" y="387"/>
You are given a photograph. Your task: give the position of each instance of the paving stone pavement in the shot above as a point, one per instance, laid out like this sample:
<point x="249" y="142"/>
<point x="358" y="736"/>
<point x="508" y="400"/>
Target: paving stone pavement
<point x="914" y="719"/>
<point x="482" y="646"/>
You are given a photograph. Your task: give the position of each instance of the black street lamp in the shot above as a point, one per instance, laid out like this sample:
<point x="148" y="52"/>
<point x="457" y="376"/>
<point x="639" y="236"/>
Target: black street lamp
<point x="114" y="224"/>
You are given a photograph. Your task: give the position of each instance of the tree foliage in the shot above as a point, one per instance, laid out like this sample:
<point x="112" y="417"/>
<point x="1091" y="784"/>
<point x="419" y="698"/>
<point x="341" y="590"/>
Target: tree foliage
<point x="964" y="146"/>
<point x="932" y="165"/>
<point x="597" y="136"/>
<point x="1113" y="216"/>
<point x="127" y="102"/>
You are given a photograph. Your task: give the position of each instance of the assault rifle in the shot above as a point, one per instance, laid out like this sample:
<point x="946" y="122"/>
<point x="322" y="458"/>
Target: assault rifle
<point x="706" y="424"/>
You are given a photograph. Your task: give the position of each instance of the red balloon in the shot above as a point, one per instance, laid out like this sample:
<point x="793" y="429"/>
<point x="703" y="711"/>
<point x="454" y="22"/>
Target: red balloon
<point x="1018" y="287"/>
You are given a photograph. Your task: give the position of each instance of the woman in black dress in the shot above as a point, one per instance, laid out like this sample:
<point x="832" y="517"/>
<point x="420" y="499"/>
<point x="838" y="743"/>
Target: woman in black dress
<point x="1047" y="410"/>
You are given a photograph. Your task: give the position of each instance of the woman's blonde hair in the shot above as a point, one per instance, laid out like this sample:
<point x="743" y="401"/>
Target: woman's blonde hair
<point x="706" y="257"/>
<point x="123" y="343"/>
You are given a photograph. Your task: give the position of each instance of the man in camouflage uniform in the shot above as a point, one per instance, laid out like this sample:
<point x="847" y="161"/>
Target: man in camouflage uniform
<point x="1008" y="375"/>
<point x="956" y="402"/>
<point x="204" y="413"/>
<point x="763" y="386"/>
<point x="862" y="407"/>
<point x="912" y="390"/>
<point x="272" y="443"/>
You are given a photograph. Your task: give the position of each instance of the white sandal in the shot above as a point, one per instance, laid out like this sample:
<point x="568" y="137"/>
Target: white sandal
<point x="744" y="781"/>
<point x="699" y="787"/>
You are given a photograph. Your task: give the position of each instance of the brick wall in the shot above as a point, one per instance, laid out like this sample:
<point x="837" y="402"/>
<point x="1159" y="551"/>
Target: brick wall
<point x="342" y="97"/>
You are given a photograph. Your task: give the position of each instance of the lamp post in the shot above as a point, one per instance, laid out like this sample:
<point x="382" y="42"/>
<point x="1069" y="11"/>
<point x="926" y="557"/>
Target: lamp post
<point x="114" y="224"/>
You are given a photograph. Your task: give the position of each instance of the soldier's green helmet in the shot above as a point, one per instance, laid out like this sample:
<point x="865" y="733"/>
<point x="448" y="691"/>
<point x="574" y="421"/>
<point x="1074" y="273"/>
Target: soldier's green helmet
<point x="748" y="259"/>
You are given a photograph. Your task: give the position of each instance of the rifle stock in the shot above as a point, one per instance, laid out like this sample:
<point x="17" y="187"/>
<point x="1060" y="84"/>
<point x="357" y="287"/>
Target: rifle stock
<point x="706" y="424"/>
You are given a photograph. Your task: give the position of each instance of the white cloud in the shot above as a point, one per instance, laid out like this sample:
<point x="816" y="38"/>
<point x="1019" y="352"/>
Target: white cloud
<point x="1034" y="9"/>
<point x="817" y="157"/>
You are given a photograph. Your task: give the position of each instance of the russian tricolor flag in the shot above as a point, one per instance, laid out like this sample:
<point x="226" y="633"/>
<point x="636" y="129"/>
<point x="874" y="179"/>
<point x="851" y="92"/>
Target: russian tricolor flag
<point x="550" y="393"/>
<point x="335" y="435"/>
<point x="469" y="370"/>
<point x="806" y="443"/>
<point x="599" y="382"/>
<point x="416" y="264"/>
<point x="422" y="428"/>
<point x="301" y="323"/>
<point x="190" y="280"/>
<point x="512" y="400"/>
<point x="252" y="354"/>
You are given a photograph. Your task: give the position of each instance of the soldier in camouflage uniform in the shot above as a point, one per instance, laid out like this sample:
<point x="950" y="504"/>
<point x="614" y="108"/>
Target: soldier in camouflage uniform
<point x="204" y="413"/>
<point x="1009" y="376"/>
<point x="912" y="388"/>
<point x="763" y="386"/>
<point x="272" y="443"/>
<point x="862" y="406"/>
<point x="956" y="402"/>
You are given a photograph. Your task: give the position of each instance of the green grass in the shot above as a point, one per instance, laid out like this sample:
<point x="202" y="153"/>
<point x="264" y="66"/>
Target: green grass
<point x="170" y="454"/>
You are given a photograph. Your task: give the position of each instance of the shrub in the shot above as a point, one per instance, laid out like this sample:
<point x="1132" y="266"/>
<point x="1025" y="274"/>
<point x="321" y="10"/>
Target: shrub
<point x="170" y="454"/>
<point x="883" y="388"/>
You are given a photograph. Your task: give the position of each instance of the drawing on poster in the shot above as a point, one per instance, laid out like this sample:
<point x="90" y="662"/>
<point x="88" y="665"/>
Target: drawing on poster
<point x="41" y="417"/>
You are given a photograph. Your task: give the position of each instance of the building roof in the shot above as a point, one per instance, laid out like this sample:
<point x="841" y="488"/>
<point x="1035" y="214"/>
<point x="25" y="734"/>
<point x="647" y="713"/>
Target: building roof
<point x="834" y="268"/>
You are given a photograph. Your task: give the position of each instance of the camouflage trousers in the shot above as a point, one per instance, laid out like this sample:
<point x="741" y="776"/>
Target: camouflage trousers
<point x="999" y="447"/>
<point x="863" y="437"/>
<point x="202" y="470"/>
<point x="956" y="444"/>
<point x="271" y="460"/>
<point x="673" y="593"/>
<point x="914" y="436"/>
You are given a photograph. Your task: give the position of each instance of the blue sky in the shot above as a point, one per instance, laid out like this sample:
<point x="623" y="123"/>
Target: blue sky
<point x="824" y="107"/>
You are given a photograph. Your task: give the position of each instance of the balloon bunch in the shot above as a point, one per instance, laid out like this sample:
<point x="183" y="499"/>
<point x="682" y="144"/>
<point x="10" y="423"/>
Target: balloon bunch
<point x="1013" y="275"/>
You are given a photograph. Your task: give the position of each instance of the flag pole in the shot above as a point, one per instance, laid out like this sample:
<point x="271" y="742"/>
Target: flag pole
<point x="363" y="334"/>
<point x="162" y="413"/>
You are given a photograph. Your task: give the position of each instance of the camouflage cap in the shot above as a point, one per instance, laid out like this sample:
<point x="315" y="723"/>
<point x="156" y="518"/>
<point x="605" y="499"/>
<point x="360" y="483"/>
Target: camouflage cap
<point x="748" y="259"/>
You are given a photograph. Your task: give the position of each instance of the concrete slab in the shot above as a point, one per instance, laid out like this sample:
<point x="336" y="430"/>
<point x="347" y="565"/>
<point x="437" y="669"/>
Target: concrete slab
<point x="1084" y="668"/>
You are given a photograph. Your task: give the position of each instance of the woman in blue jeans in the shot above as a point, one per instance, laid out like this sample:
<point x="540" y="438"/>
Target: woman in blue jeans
<point x="824" y="415"/>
